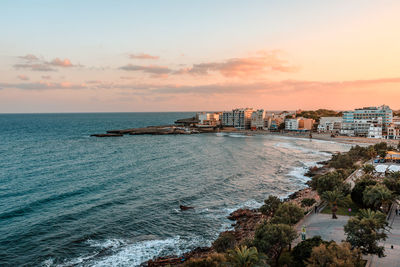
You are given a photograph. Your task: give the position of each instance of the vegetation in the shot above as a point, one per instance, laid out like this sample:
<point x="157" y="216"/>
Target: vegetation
<point x="348" y="208"/>
<point x="272" y="239"/>
<point x="377" y="196"/>
<point x="243" y="256"/>
<point x="392" y="182"/>
<point x="334" y="198"/>
<point x="335" y="255"/>
<point x="271" y="204"/>
<point x="212" y="260"/>
<point x="302" y="251"/>
<point x="368" y="168"/>
<point x="327" y="182"/>
<point x="288" y="213"/>
<point x="317" y="114"/>
<point x="224" y="242"/>
<point x="366" y="230"/>
<point x="357" y="193"/>
<point x="307" y="202"/>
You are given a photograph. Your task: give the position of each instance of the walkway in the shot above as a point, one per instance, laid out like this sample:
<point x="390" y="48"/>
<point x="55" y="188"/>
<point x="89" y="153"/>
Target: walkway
<point x="324" y="226"/>
<point x="392" y="258"/>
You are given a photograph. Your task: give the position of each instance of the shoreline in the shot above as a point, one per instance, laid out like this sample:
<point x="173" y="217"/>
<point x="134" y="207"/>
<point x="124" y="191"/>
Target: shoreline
<point x="245" y="220"/>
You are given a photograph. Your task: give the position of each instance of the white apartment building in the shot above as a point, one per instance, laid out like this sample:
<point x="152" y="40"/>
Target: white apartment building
<point x="258" y="120"/>
<point x="238" y="118"/>
<point x="358" y="121"/>
<point x="292" y="124"/>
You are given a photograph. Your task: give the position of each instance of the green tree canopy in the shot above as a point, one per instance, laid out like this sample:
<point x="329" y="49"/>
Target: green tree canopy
<point x="302" y="251"/>
<point x="376" y="196"/>
<point x="334" y="255"/>
<point x="272" y="239"/>
<point x="357" y="193"/>
<point x="288" y="213"/>
<point x="334" y="198"/>
<point x="366" y="230"/>
<point x="271" y="204"/>
<point x="243" y="256"/>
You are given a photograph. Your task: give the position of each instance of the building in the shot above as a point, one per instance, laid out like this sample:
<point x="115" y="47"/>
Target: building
<point x="299" y="124"/>
<point x="208" y="119"/>
<point x="238" y="118"/>
<point x="292" y="124"/>
<point x="330" y="124"/>
<point x="359" y="121"/>
<point x="258" y="120"/>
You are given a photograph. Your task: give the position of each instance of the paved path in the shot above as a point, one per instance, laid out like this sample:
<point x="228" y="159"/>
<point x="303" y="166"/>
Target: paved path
<point x="324" y="226"/>
<point x="392" y="258"/>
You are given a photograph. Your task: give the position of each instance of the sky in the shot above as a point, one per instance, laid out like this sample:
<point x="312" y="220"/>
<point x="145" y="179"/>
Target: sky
<point x="179" y="55"/>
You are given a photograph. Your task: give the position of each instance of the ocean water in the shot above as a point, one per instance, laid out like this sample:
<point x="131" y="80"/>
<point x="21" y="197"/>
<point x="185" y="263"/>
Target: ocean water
<point x="68" y="199"/>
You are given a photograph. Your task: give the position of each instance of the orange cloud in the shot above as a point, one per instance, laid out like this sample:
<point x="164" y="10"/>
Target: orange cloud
<point x="61" y="63"/>
<point x="143" y="56"/>
<point x="243" y="67"/>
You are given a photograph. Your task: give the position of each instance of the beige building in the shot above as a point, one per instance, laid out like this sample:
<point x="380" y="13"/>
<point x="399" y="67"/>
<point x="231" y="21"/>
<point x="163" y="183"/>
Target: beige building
<point x="258" y="120"/>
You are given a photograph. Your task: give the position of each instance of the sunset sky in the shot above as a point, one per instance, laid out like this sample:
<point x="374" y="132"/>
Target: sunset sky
<point x="111" y="56"/>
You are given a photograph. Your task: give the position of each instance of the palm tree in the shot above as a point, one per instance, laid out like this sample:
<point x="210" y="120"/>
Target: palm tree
<point x="377" y="196"/>
<point x="334" y="198"/>
<point x="243" y="256"/>
<point x="368" y="168"/>
<point x="378" y="217"/>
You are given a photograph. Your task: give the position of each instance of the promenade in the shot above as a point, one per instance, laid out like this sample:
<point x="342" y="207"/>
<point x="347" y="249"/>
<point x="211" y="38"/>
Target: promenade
<point x="324" y="226"/>
<point x="392" y="258"/>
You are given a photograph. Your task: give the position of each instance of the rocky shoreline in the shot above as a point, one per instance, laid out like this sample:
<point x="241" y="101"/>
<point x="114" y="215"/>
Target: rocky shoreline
<point x="245" y="225"/>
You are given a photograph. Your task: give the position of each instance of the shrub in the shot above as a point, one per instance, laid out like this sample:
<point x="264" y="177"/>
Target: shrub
<point x="307" y="202"/>
<point x="211" y="260"/>
<point x="225" y="241"/>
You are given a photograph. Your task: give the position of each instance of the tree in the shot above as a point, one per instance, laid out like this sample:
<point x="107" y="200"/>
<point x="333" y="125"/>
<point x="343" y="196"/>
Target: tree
<point x="288" y="213"/>
<point x="302" y="251"/>
<point x="368" y="168"/>
<point x="225" y="241"/>
<point x="358" y="191"/>
<point x="272" y="239"/>
<point x="376" y="196"/>
<point x="392" y="184"/>
<point x="271" y="204"/>
<point x="334" y="255"/>
<point x="334" y="198"/>
<point x="366" y="230"/>
<point x="243" y="256"/>
<point x="307" y="202"/>
<point x="327" y="182"/>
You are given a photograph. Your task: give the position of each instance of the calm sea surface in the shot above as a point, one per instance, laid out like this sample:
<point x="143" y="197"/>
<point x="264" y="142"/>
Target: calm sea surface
<point x="67" y="199"/>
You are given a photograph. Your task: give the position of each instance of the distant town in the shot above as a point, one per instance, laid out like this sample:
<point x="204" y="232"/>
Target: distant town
<point x="372" y="122"/>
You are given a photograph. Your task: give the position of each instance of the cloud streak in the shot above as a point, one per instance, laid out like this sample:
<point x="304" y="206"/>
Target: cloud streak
<point x="243" y="67"/>
<point x="151" y="69"/>
<point x="33" y="63"/>
<point x="143" y="56"/>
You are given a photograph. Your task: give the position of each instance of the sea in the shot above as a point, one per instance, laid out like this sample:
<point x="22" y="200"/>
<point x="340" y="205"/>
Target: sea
<point x="68" y="199"/>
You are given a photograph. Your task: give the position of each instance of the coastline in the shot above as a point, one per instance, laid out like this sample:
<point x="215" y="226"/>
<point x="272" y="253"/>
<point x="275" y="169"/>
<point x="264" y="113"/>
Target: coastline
<point x="246" y="220"/>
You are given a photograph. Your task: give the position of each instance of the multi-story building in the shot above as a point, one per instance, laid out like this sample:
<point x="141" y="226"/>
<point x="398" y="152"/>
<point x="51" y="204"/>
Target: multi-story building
<point x="238" y="118"/>
<point x="330" y="124"/>
<point x="292" y="124"/>
<point x="258" y="120"/>
<point x="208" y="119"/>
<point x="299" y="124"/>
<point x="358" y="121"/>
